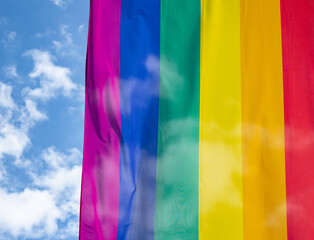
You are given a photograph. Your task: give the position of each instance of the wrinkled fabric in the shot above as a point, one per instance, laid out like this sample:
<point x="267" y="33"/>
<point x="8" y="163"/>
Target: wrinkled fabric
<point x="199" y="120"/>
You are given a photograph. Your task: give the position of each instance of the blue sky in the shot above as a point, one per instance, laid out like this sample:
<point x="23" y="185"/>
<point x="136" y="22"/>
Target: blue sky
<point x="42" y="64"/>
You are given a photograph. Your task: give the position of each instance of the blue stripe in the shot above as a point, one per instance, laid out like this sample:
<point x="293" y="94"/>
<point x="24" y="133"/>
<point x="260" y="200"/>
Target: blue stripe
<point x="140" y="47"/>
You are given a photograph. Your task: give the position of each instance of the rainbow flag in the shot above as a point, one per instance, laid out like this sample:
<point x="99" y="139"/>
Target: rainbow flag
<point x="199" y="120"/>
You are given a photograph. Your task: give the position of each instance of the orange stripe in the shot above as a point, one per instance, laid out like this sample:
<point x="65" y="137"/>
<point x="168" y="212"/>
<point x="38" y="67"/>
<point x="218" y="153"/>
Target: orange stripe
<point x="264" y="192"/>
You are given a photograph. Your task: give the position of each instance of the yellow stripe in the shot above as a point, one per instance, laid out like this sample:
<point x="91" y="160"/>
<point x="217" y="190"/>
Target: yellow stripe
<point x="263" y="121"/>
<point x="220" y="147"/>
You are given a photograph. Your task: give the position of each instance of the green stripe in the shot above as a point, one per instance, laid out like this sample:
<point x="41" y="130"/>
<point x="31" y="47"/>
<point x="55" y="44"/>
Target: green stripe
<point x="176" y="206"/>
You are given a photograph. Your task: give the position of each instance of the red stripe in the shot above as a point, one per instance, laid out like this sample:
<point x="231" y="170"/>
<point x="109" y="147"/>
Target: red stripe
<point x="101" y="161"/>
<point x="298" y="75"/>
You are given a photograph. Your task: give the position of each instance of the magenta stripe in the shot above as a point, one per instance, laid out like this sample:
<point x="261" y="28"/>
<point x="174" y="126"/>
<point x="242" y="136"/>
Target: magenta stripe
<point x="100" y="179"/>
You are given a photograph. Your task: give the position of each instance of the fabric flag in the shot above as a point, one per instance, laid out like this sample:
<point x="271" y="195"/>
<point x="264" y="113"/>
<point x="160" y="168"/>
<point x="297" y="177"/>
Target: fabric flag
<point x="199" y="120"/>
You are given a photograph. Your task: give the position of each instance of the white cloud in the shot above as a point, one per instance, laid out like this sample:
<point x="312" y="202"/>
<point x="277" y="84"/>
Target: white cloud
<point x="44" y="34"/>
<point x="27" y="210"/>
<point x="3" y="172"/>
<point x="81" y="27"/>
<point x="37" y="211"/>
<point x="15" y="122"/>
<point x="9" y="39"/>
<point x="6" y="100"/>
<point x="54" y="199"/>
<point x="30" y="115"/>
<point x="11" y="36"/>
<point x="61" y="3"/>
<point x="53" y="78"/>
<point x="55" y="159"/>
<point x="70" y="230"/>
<point x="63" y="177"/>
<point x="12" y="140"/>
<point x="48" y="205"/>
<point x="34" y="114"/>
<point x="66" y="47"/>
<point x="64" y="184"/>
<point x="10" y="71"/>
<point x="14" y="131"/>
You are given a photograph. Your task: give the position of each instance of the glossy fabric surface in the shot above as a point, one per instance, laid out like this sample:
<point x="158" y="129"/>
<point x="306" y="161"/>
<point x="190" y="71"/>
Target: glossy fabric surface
<point x="139" y="115"/>
<point x="199" y="120"/>
<point x="176" y="209"/>
<point x="220" y="122"/>
<point x="264" y="192"/>
<point x="101" y="160"/>
<point x="298" y="78"/>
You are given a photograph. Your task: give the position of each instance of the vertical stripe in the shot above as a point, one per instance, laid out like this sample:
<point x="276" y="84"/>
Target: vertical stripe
<point x="101" y="160"/>
<point x="263" y="121"/>
<point x="140" y="36"/>
<point x="298" y="74"/>
<point x="220" y="188"/>
<point x="176" y="211"/>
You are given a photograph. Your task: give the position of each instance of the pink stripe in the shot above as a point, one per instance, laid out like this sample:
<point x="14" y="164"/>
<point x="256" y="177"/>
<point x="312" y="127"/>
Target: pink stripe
<point x="101" y="160"/>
